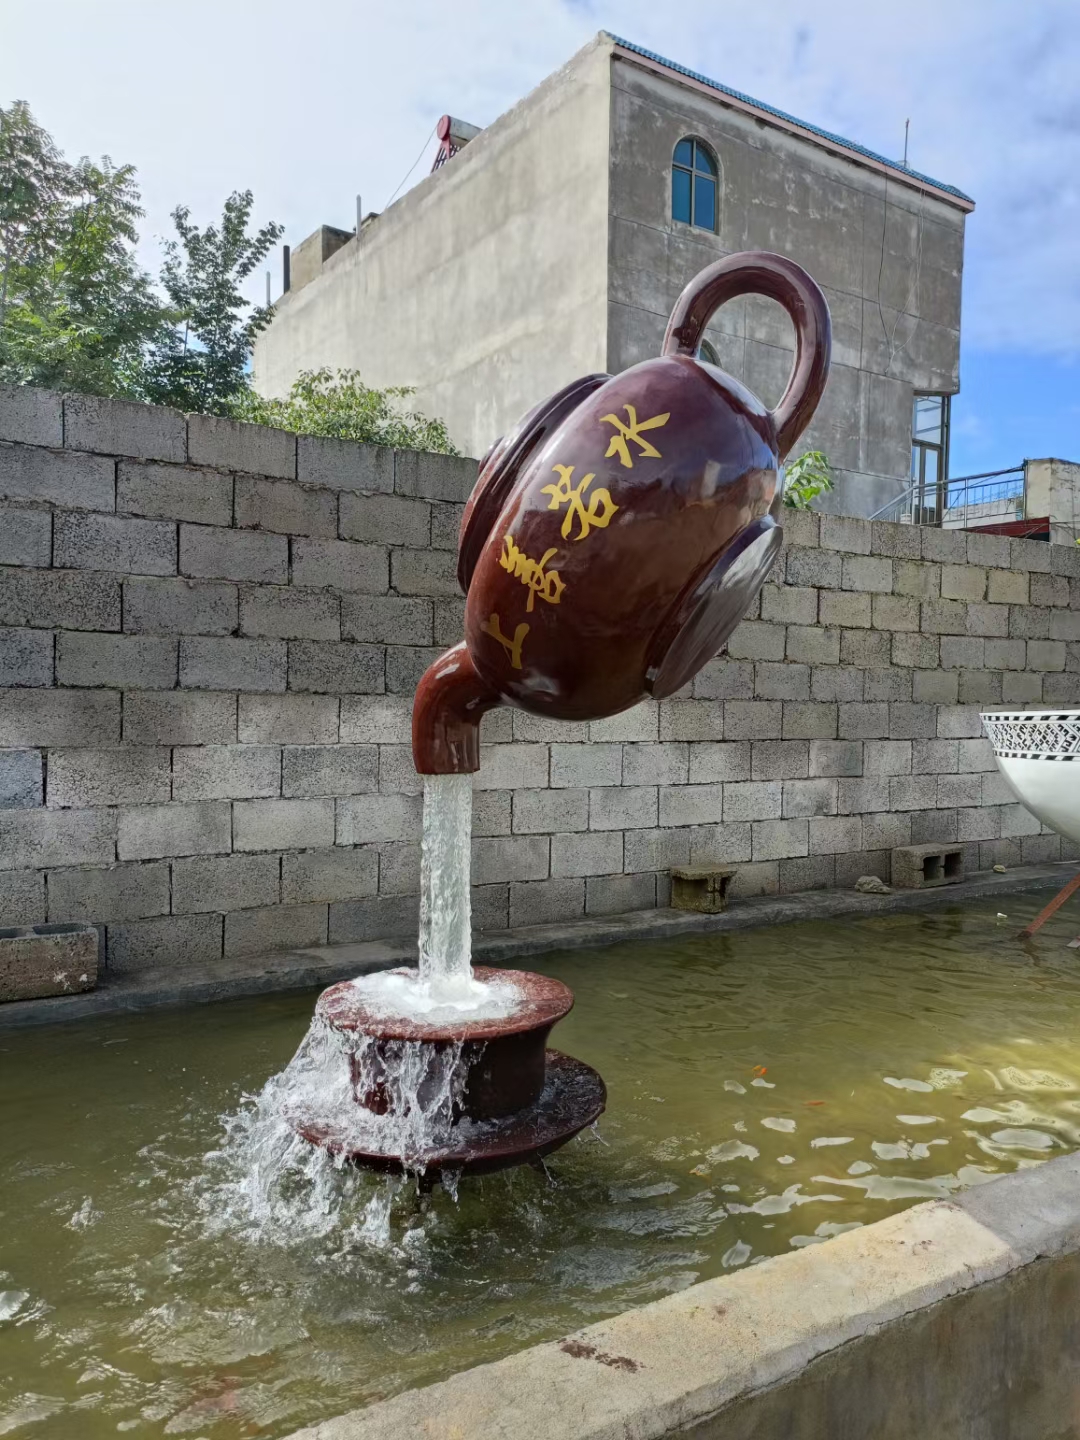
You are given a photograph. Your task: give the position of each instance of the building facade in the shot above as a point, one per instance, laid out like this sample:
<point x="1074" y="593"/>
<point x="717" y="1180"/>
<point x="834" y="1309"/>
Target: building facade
<point x="556" y="241"/>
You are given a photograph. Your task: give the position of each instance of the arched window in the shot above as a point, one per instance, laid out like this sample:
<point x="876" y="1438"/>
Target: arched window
<point x="693" y="185"/>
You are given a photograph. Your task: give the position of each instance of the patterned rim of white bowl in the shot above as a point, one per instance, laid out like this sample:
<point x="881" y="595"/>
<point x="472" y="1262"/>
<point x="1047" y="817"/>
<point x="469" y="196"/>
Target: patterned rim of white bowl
<point x="1034" y="734"/>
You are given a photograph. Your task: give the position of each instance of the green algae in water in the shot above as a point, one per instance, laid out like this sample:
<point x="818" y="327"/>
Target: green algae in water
<point x="768" y="1089"/>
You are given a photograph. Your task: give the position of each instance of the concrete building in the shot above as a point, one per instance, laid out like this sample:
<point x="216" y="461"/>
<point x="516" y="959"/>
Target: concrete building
<point x="555" y="242"/>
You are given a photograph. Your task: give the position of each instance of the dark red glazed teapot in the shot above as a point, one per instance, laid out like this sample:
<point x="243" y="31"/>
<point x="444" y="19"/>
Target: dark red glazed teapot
<point x="618" y="534"/>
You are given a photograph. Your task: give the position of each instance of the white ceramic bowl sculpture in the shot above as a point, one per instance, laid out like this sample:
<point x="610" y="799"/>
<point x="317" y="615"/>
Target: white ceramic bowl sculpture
<point x="1038" y="752"/>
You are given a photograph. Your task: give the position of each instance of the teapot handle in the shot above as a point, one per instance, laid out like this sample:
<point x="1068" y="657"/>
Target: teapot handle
<point x="757" y="272"/>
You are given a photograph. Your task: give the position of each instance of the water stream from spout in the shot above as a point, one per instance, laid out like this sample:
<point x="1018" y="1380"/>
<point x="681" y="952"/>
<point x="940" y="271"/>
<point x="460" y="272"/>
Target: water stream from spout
<point x="445" y="906"/>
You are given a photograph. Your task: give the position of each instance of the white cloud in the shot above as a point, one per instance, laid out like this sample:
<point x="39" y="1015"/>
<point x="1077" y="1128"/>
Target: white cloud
<point x="307" y="106"/>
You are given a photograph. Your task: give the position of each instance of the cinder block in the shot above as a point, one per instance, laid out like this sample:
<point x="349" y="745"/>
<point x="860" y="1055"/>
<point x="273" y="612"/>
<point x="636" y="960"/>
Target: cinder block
<point x="539" y="812"/>
<point x="290" y="613"/>
<point x="762" y="878"/>
<point x="1064" y="625"/>
<point x="233" y="445"/>
<point x="220" y="554"/>
<point x="1021" y="688"/>
<point x="340" y="565"/>
<point x="285" y="507"/>
<point x="25" y="536"/>
<point x="42" y="960"/>
<point x="820" y="568"/>
<point x="329" y="770"/>
<point x="979" y="687"/>
<point x="1029" y="622"/>
<point x="872" y="573"/>
<point x="803" y="798"/>
<point x="956" y="790"/>
<point x="226" y="772"/>
<point x="526" y="766"/>
<point x="717" y="845"/>
<point x="386" y="620"/>
<point x="773" y="681"/>
<point x="226" y="882"/>
<point x="282" y="824"/>
<point x="917" y="651"/>
<point x="1064" y="560"/>
<point x="20" y="784"/>
<point x="700" y="888"/>
<point x="385" y="520"/>
<point x="836" y="757"/>
<point x="122" y="775"/>
<point x="22" y="897"/>
<point x="809" y="721"/>
<point x="124" y="427"/>
<point x="963" y="652"/>
<point x="381" y="917"/>
<point x="690" y="804"/>
<point x="850" y="867"/>
<point x="778" y="839"/>
<point x="919" y="580"/>
<point x="655" y="849"/>
<point x="757" y="640"/>
<point x="900" y="542"/>
<point x="895" y="612"/>
<point x="724" y="679"/>
<point x="988" y="620"/>
<point x="168" y="717"/>
<point x="719" y="760"/>
<point x="886" y="831"/>
<point x="59" y="717"/>
<point x="640" y="723"/>
<point x="81" y="482"/>
<point x="26" y="657"/>
<point x="912" y="722"/>
<point x="852" y="609"/>
<point x="989" y="550"/>
<point x="887" y="682"/>
<point x="329" y="875"/>
<point x="1049" y="590"/>
<point x="174" y="492"/>
<point x="492" y="813"/>
<point x="279" y="927"/>
<point x="841" y="532"/>
<point x="424" y="572"/>
<point x="802" y="527"/>
<point x="935" y="687"/>
<point x="864" y="722"/>
<point x="963" y="582"/>
<point x="959" y="722"/>
<point x="583" y="766"/>
<point x="449" y="620"/>
<point x="1007" y="587"/>
<point x="830" y="684"/>
<point x="752" y="800"/>
<point x="344" y="464"/>
<point x="812" y="872"/>
<point x="1030" y="555"/>
<point x="1046" y="655"/>
<point x="121" y="662"/>
<point x="288" y="719"/>
<point x="923" y="867"/>
<point x="912" y="792"/>
<point x="933" y="827"/>
<point x="619" y="894"/>
<point x="31" y="416"/>
<point x="860" y="796"/>
<point x="113" y="542"/>
<point x="177" y="607"/>
<point x="63" y="598"/>
<point x="38" y="839"/>
<point x="779" y="760"/>
<point x="231" y="664"/>
<point x="866" y="649"/>
<point x="446" y="525"/>
<point x="363" y="819"/>
<point x="935" y="757"/>
<point x="753" y="719"/>
<point x="944" y="546"/>
<point x="834" y="834"/>
<point x="1061" y="690"/>
<point x="507" y="858"/>
<point x="399" y="869"/>
<point x="326" y="666"/>
<point x="104" y="896"/>
<point x="151" y="832"/>
<point x="189" y="941"/>
<point x="812" y="645"/>
<point x="789" y="604"/>
<point x="541" y="729"/>
<point x="595" y="853"/>
<point x="622" y="807"/>
<point x="545" y="902"/>
<point x="434" y="477"/>
<point x="380" y="719"/>
<point x="405" y="666"/>
<point x="649" y="764"/>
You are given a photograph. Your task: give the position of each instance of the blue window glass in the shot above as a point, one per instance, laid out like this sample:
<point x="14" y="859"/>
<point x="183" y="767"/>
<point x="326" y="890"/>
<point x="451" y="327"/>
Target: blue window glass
<point x="680" y="195"/>
<point x="694" y="199"/>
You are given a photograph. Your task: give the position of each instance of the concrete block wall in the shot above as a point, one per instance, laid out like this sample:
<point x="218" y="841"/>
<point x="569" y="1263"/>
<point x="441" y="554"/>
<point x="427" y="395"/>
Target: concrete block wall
<point x="210" y="634"/>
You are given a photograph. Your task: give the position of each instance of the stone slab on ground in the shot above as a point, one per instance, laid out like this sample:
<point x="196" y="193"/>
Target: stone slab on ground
<point x="321" y="965"/>
<point x="39" y="961"/>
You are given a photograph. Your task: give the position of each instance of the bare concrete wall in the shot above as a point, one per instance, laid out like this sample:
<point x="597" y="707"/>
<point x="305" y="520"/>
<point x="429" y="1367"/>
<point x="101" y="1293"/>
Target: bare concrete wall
<point x="485" y="286"/>
<point x="954" y="1320"/>
<point x="1052" y="488"/>
<point x="888" y="257"/>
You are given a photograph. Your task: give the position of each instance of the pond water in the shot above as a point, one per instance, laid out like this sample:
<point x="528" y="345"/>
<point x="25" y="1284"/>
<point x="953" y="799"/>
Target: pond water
<point x="766" y="1090"/>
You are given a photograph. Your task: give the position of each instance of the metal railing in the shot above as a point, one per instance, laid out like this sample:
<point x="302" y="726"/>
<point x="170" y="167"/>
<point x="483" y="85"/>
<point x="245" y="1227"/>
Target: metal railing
<point x="995" y="495"/>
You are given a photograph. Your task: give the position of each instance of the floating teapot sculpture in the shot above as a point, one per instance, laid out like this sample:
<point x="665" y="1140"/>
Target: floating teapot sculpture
<point x="618" y="534"/>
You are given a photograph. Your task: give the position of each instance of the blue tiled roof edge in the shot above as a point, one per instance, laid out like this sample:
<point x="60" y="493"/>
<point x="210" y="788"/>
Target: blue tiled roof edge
<point x="790" y="119"/>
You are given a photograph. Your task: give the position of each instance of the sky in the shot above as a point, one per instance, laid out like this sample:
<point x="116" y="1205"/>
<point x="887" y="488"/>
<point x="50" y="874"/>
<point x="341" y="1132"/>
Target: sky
<point x="309" y="107"/>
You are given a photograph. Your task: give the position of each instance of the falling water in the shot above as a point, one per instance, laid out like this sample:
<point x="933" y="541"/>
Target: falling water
<point x="445" y="909"/>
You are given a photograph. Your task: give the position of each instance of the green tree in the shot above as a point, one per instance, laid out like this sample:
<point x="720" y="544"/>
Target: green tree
<point x="203" y="362"/>
<point x="322" y="402"/>
<point x="76" y="310"/>
<point x="805" y="479"/>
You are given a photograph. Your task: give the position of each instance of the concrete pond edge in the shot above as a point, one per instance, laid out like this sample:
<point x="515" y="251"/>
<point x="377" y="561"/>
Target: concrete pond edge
<point x="305" y="969"/>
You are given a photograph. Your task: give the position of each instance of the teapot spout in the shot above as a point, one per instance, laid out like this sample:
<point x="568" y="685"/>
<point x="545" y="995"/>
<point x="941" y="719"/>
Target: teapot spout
<point x="451" y="700"/>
